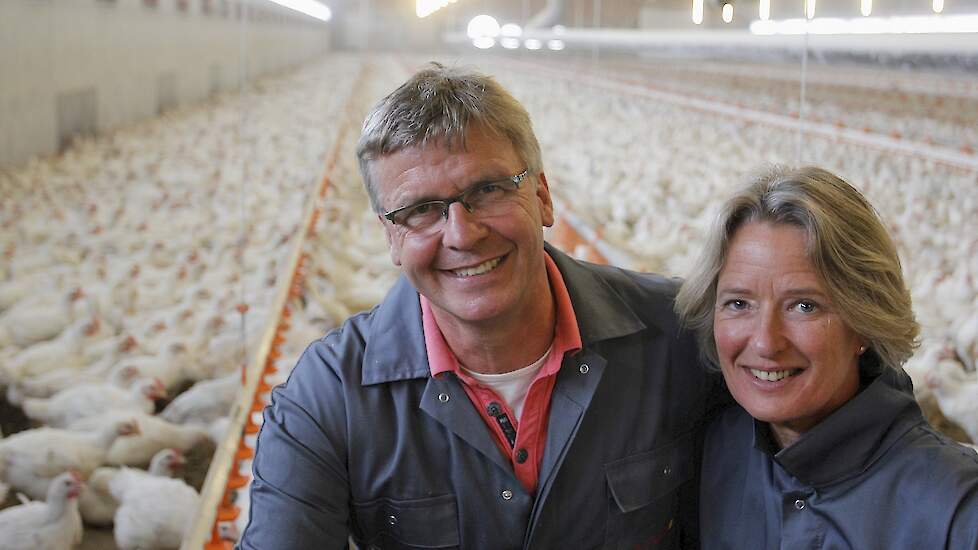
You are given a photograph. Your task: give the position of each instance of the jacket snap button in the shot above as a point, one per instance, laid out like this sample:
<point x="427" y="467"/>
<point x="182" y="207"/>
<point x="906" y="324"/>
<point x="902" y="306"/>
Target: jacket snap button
<point x="521" y="456"/>
<point x="584" y="368"/>
<point x="507" y="495"/>
<point x="443" y="397"/>
<point x="800" y="504"/>
<point x="392" y="520"/>
<point x="667" y="471"/>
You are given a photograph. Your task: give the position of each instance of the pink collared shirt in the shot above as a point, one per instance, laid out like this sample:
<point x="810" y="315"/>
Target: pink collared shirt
<point x="531" y="428"/>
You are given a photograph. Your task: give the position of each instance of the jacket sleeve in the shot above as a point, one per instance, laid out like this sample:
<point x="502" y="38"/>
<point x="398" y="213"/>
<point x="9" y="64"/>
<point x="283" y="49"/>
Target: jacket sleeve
<point x="300" y="493"/>
<point x="963" y="531"/>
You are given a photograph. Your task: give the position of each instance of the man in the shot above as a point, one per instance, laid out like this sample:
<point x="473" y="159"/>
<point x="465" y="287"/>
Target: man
<point x="503" y="395"/>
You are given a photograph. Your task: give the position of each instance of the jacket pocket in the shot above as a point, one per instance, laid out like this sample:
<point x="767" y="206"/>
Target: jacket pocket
<point x="407" y="523"/>
<point x="643" y="495"/>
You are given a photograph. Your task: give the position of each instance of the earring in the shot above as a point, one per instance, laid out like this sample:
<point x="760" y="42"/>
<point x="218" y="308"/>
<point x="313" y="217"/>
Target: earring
<point x="862" y="350"/>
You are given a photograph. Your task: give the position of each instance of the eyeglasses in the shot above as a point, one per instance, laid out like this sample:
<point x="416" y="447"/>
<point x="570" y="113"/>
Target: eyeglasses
<point x="482" y="199"/>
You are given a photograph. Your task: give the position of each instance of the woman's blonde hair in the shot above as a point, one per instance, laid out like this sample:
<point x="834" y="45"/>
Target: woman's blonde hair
<point x="847" y="243"/>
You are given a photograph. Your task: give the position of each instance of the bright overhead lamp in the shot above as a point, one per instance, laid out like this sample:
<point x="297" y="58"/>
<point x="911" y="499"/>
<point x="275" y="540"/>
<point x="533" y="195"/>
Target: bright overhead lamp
<point x="555" y="44"/>
<point x="532" y="44"/>
<point x="312" y="8"/>
<point x="511" y="29"/>
<point x="697" y="11"/>
<point x="482" y="26"/>
<point x="937" y="6"/>
<point x="926" y="24"/>
<point x="764" y="10"/>
<point x="866" y="7"/>
<point x="424" y="8"/>
<point x="509" y="42"/>
<point x="727" y="12"/>
<point x="483" y="42"/>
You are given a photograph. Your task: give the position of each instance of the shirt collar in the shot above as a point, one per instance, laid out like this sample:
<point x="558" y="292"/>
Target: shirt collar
<point x="395" y="343"/>
<point x="851" y="439"/>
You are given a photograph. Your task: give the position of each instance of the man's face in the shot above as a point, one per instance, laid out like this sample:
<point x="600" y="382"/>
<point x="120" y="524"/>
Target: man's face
<point x="476" y="270"/>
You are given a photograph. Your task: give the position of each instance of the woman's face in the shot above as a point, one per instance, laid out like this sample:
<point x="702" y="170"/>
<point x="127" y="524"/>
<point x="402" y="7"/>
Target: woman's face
<point x="787" y="356"/>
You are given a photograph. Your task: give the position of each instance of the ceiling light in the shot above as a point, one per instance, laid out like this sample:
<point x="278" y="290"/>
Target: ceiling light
<point x="482" y="26"/>
<point x="727" y="13"/>
<point x="312" y="8"/>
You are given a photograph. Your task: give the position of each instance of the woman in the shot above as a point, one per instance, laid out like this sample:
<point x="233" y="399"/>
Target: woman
<point x="800" y="300"/>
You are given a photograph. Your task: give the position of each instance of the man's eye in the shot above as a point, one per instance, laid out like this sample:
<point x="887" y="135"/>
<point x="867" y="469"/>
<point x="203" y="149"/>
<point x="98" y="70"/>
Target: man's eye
<point x="421" y="209"/>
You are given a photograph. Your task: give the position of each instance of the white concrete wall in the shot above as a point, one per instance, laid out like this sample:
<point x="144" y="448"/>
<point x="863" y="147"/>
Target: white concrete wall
<point x="122" y="48"/>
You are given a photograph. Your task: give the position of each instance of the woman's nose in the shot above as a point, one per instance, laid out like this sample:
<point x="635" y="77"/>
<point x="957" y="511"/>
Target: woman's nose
<point x="768" y="338"/>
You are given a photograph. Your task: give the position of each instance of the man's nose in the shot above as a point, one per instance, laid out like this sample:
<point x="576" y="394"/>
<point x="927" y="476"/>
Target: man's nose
<point x="462" y="228"/>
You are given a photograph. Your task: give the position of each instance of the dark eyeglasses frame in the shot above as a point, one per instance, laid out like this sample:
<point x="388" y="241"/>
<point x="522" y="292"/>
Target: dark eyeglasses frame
<point x="460" y="198"/>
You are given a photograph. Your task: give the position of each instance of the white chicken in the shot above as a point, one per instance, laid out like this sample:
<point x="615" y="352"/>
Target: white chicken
<point x="50" y="383"/>
<point x="65" y="351"/>
<point x="204" y="402"/>
<point x="29" y="460"/>
<point x="94" y="399"/>
<point x="957" y="396"/>
<point x="154" y="512"/>
<point x="170" y="368"/>
<point x="98" y="506"/>
<point x="50" y="525"/>
<point x="966" y="342"/>
<point x="155" y="435"/>
<point x="30" y="323"/>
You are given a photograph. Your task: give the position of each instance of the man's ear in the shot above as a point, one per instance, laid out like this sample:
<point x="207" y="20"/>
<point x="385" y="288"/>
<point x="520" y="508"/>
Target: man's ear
<point x="546" y="203"/>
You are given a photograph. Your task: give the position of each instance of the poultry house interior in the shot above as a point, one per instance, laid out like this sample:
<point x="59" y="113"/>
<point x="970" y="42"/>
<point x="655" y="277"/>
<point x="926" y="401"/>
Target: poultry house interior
<point x="182" y="212"/>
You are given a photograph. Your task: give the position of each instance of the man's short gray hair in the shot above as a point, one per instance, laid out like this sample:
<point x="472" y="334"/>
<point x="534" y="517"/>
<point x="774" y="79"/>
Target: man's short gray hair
<point x="847" y="243"/>
<point x="438" y="105"/>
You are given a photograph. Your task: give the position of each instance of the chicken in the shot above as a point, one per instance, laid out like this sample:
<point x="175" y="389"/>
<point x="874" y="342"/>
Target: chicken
<point x="170" y="368"/>
<point x="98" y="506"/>
<point x="154" y="512"/>
<point x="957" y="396"/>
<point x="204" y="402"/>
<point x="65" y="351"/>
<point x="36" y="322"/>
<point x="50" y="383"/>
<point x="93" y="399"/>
<point x="155" y="435"/>
<point x="29" y="460"/>
<point x="50" y="525"/>
<point x="966" y="343"/>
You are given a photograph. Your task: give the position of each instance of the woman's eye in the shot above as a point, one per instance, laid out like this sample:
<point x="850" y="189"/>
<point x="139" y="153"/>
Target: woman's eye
<point x="806" y="306"/>
<point x="736" y="305"/>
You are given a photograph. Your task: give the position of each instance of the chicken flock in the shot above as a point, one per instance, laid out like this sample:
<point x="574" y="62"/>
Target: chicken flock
<point x="140" y="267"/>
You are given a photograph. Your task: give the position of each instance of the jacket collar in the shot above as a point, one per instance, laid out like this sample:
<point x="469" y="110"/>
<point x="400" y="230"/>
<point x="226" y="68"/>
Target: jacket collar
<point x="395" y="348"/>
<point x="851" y="439"/>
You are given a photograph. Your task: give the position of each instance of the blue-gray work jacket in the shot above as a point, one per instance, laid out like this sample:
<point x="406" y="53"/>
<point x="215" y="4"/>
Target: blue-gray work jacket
<point x="361" y="440"/>
<point x="872" y="475"/>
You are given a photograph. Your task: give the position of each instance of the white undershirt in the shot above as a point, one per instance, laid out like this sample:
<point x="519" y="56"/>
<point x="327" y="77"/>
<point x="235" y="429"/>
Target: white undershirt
<point x="512" y="386"/>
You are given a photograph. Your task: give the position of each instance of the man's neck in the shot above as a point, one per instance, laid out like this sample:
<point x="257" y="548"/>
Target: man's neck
<point x="503" y="345"/>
